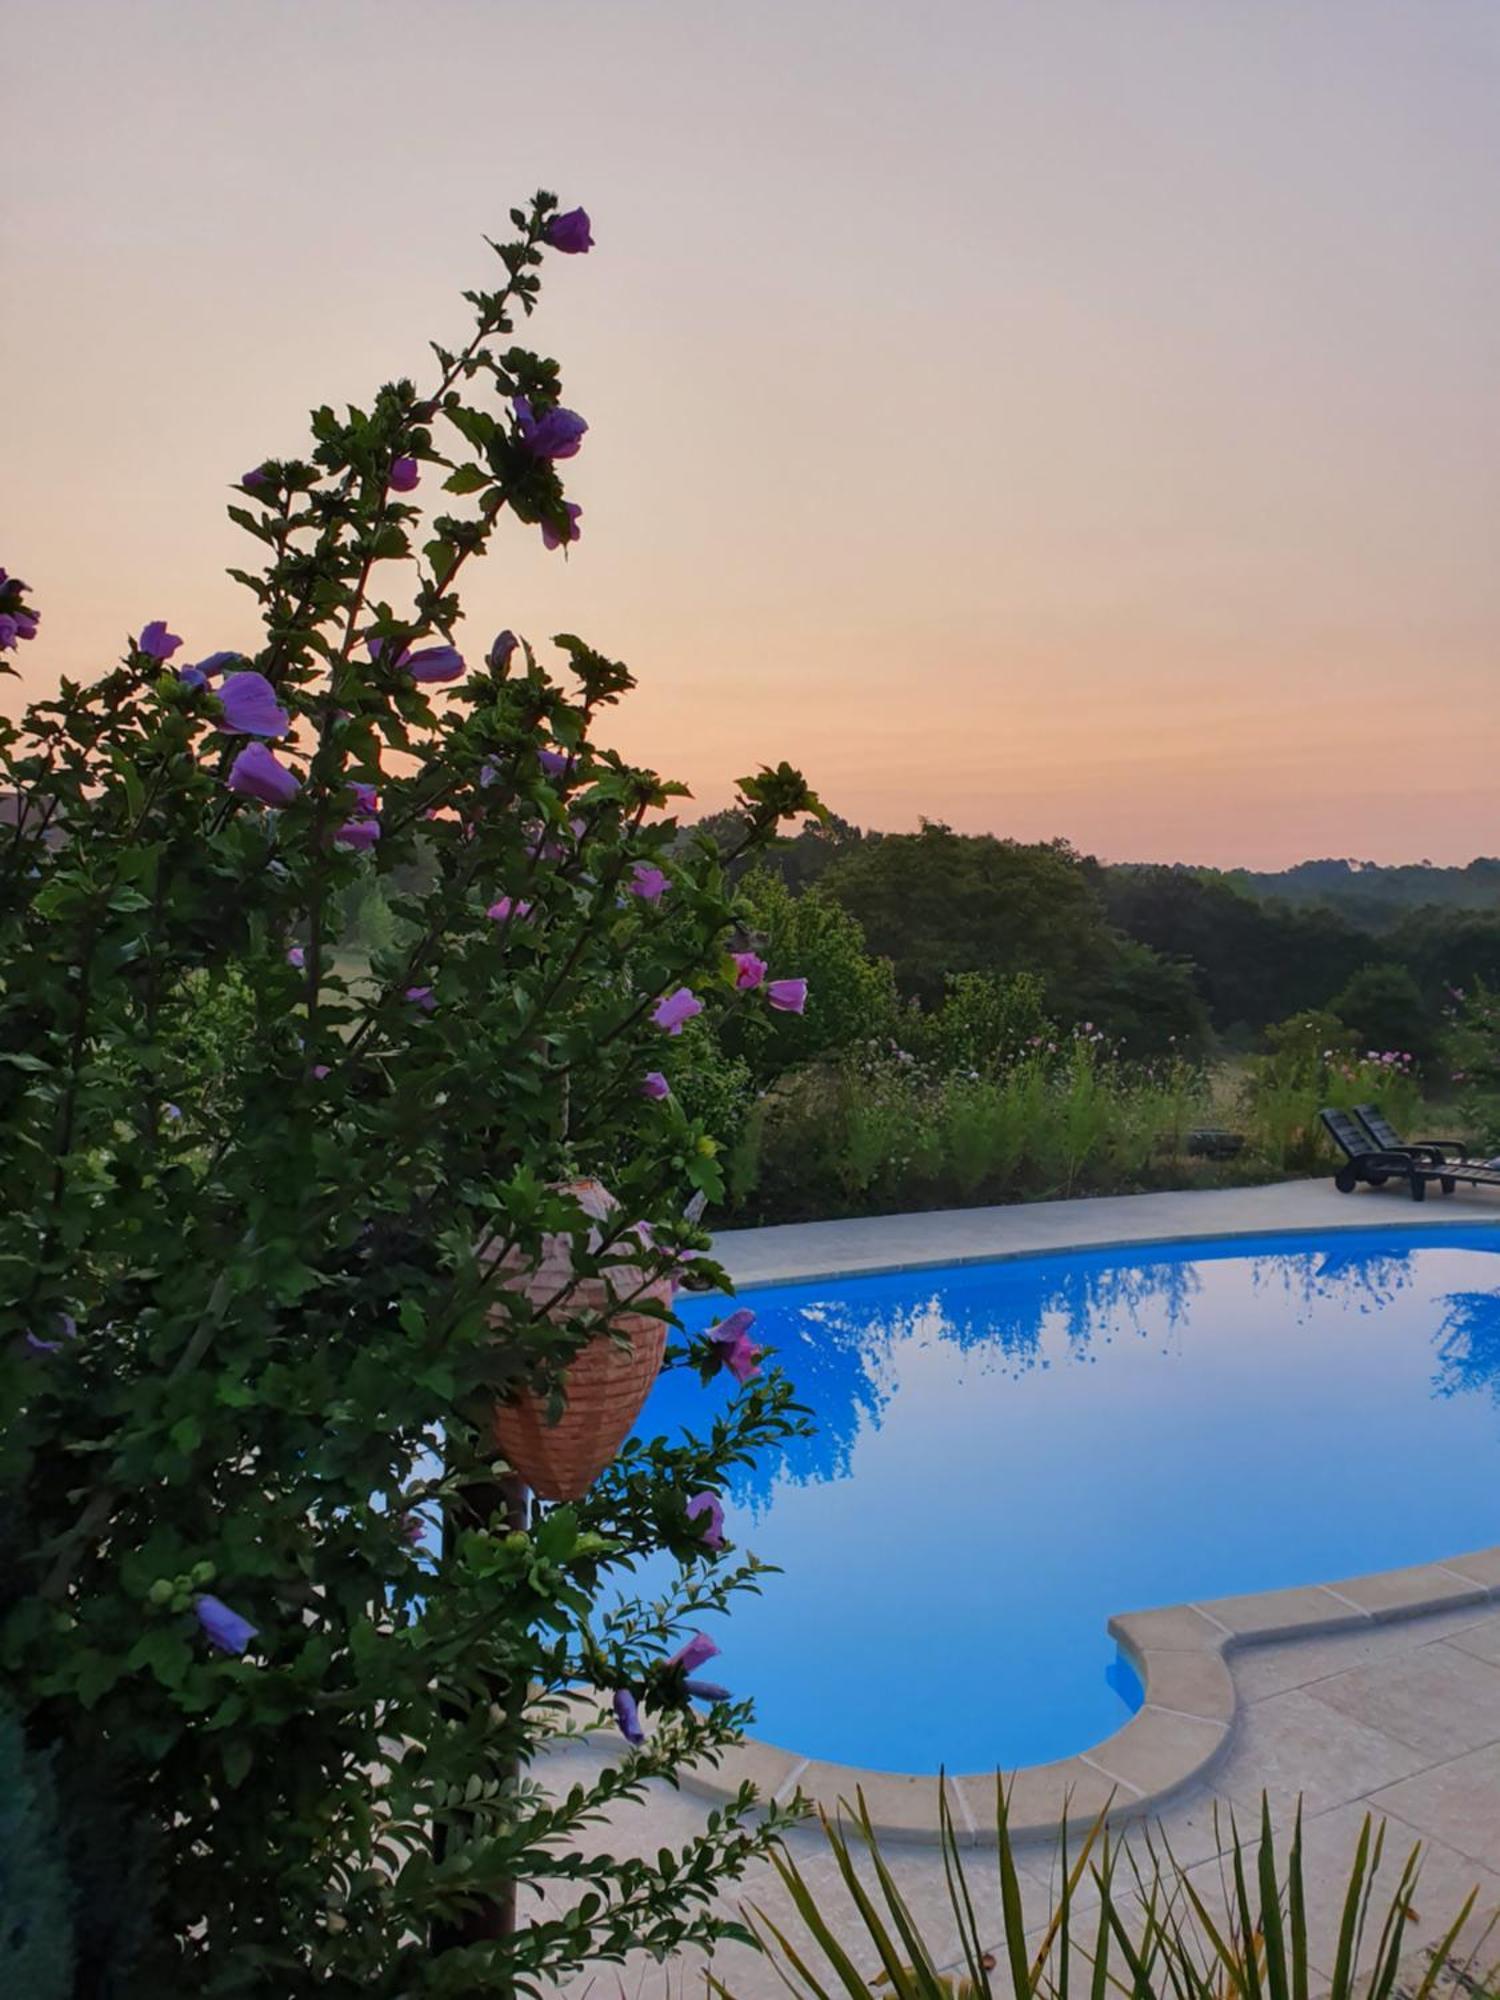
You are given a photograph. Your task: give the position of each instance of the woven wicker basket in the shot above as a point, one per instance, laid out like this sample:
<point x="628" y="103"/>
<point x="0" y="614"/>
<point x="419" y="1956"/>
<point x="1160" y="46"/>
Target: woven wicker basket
<point x="605" y="1384"/>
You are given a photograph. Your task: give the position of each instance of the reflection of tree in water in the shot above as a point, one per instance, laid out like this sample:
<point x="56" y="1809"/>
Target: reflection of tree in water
<point x="1352" y="1276"/>
<point x="1468" y="1345"/>
<point x="843" y="1352"/>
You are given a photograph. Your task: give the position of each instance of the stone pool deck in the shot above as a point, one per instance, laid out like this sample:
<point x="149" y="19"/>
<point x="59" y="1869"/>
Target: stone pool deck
<point x="1378" y="1695"/>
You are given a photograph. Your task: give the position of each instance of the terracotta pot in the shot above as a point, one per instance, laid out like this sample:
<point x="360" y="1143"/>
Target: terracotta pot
<point x="605" y="1384"/>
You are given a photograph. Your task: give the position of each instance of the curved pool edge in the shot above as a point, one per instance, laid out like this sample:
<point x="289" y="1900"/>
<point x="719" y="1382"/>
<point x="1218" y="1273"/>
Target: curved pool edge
<point x="1183" y="1653"/>
<point x="805" y="1253"/>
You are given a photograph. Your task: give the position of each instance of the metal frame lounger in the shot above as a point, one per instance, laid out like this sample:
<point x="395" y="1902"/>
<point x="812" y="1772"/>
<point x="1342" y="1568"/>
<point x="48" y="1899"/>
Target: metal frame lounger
<point x="1364" y="1161"/>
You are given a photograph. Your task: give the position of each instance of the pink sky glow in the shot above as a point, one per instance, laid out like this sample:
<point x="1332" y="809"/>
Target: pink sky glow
<point x="1057" y="417"/>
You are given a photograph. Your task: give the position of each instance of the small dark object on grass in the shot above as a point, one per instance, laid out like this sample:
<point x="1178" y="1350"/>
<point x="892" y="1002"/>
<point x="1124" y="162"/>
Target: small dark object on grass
<point x="1210" y="1144"/>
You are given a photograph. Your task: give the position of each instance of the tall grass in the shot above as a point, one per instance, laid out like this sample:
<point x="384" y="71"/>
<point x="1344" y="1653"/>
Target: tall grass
<point x="893" y="1135"/>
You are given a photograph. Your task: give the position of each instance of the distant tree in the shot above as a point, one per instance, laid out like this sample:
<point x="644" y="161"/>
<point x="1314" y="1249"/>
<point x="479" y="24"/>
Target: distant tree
<point x="1383" y="1005"/>
<point x="1253" y="961"/>
<point x="937" y="902"/>
<point x="801" y="859"/>
<point x="1149" y="1004"/>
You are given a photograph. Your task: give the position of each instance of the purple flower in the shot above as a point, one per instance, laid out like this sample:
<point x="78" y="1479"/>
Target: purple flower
<point x="296" y="958"/>
<point x="358" y="833"/>
<point x="554" y="764"/>
<point x="749" y="971"/>
<point x="654" y="1084"/>
<point x="366" y="796"/>
<point x="433" y="663"/>
<point x="551" y="539"/>
<point x="628" y="1716"/>
<point x="647" y="882"/>
<point x="35" y="1346"/>
<point x="705" y="1691"/>
<point x="737" y="1351"/>
<point x="501" y="647"/>
<point x="411" y="1528"/>
<point x="405" y="472"/>
<point x="156" y="640"/>
<point x="557" y="433"/>
<point x="709" y="1504"/>
<point x="423" y="997"/>
<point x="320" y="1070"/>
<point x="692" y="1656"/>
<point x="216" y="663"/>
<point x="787" y="996"/>
<point x="507" y="910"/>
<point x="251" y="707"/>
<point x="257" y="477"/>
<point x="675" y="1009"/>
<point x="9" y="631"/>
<point x="569" y="233"/>
<point x="224" y="1628"/>
<point x="27" y="622"/>
<point x="255" y="774"/>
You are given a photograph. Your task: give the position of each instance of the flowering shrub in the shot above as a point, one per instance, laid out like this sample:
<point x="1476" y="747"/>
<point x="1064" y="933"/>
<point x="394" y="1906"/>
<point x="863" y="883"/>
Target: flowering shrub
<point x="273" y="1608"/>
<point x="1474" y="1051"/>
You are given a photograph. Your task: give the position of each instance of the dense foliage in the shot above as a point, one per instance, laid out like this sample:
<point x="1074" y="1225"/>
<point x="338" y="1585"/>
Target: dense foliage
<point x="283" y="1636"/>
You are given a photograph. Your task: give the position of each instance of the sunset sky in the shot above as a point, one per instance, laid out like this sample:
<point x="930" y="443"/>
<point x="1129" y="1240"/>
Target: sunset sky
<point x="1069" y="417"/>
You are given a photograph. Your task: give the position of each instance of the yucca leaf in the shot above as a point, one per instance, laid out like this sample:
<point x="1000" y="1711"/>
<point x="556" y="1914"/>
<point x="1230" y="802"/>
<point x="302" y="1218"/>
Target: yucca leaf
<point x="1277" y="1985"/>
<point x="1010" y="1895"/>
<point x="1439" y="1955"/>
<point x="810" y="1985"/>
<point x="807" y="1910"/>
<point x="1348" y="1922"/>
<point x="1296" y="1901"/>
<point x="959" y="1899"/>
<point x="923" y="1976"/>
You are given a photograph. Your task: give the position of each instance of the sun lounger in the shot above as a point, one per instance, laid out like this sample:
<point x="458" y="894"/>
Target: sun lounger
<point x="1375" y="1165"/>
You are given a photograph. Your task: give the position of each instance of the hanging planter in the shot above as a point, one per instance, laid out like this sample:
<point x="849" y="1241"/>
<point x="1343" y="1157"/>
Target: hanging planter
<point x="606" y="1383"/>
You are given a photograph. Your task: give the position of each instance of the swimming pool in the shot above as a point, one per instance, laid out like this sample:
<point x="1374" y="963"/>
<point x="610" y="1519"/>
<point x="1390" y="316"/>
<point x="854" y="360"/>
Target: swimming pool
<point x="1009" y="1452"/>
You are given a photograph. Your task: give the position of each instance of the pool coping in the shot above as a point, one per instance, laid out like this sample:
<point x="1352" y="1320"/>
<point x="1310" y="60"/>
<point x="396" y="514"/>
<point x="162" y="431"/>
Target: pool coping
<point x="1181" y="1652"/>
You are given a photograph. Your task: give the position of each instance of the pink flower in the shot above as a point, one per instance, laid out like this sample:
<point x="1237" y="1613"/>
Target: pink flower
<point x="709" y="1504"/>
<point x="255" y="774"/>
<point x="320" y="1070"/>
<point x="737" y="1351"/>
<point x="405" y="472"/>
<point x="251" y="707"/>
<point x="699" y="1649"/>
<point x="676" y="1008"/>
<point x="156" y="640"/>
<point x="787" y="996"/>
<point x="507" y="910"/>
<point x="296" y="958"/>
<point x="569" y="232"/>
<point x="749" y="971"/>
<point x="628" y="1716"/>
<point x="556" y="433"/>
<point x="434" y="663"/>
<point x="551" y="539"/>
<point x="421" y="996"/>
<point x="655" y="1085"/>
<point x="647" y="882"/>
<point x="358" y="833"/>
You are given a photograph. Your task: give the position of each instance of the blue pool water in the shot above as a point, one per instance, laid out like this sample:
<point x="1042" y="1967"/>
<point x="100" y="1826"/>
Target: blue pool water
<point x="1007" y="1453"/>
